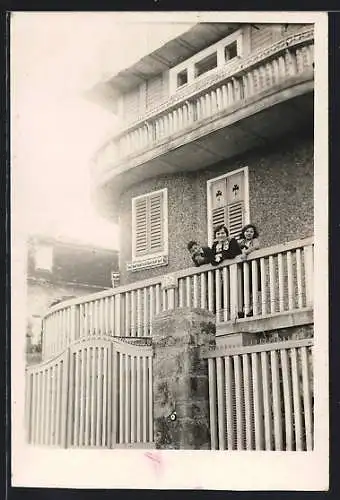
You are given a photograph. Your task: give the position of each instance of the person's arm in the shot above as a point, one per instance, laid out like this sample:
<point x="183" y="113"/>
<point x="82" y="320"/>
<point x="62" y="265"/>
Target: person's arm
<point x="247" y="251"/>
<point x="214" y="262"/>
<point x="254" y="246"/>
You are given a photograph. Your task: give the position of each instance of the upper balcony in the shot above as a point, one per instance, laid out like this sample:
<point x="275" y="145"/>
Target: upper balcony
<point x="257" y="98"/>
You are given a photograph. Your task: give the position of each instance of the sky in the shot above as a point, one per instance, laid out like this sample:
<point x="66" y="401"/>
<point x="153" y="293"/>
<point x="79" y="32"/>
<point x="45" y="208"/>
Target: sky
<point x="55" y="58"/>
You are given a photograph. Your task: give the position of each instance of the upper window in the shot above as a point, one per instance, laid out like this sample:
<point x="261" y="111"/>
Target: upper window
<point x="44" y="257"/>
<point x="215" y="56"/>
<point x="206" y="64"/>
<point x="230" y="51"/>
<point x="228" y="202"/>
<point x="150" y="225"/>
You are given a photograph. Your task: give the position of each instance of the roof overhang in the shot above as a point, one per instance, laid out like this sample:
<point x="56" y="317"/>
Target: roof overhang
<point x="165" y="57"/>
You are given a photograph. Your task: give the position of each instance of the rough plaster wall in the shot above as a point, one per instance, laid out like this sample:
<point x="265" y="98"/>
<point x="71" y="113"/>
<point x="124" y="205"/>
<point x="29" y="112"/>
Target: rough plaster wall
<point x="281" y="202"/>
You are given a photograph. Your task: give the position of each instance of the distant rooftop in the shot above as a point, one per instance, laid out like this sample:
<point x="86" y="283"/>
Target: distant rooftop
<point x="57" y="261"/>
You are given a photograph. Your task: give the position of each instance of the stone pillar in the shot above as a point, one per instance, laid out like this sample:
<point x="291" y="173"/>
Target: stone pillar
<point x="180" y="379"/>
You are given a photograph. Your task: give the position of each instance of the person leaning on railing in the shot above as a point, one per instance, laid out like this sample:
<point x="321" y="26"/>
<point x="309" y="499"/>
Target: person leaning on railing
<point x="223" y="247"/>
<point x="248" y="242"/>
<point x="200" y="255"/>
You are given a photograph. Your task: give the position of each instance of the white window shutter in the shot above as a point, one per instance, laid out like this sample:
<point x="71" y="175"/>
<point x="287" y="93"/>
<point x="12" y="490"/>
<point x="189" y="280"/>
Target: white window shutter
<point x="141" y="239"/>
<point x="219" y="216"/>
<point x="149" y="224"/>
<point x="235" y="218"/>
<point x="228" y="202"/>
<point x="156" y="222"/>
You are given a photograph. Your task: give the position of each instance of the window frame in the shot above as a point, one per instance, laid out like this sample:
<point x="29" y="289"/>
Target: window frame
<point x="218" y="48"/>
<point x="148" y="255"/>
<point x="210" y="182"/>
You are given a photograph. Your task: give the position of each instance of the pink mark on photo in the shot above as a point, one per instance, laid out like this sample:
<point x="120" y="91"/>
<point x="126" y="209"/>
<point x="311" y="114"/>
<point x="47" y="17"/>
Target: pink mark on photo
<point x="156" y="459"/>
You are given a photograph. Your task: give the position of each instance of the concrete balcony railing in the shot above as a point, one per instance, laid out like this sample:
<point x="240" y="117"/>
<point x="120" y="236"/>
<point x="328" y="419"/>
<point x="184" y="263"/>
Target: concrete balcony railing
<point x="275" y="285"/>
<point x="284" y="64"/>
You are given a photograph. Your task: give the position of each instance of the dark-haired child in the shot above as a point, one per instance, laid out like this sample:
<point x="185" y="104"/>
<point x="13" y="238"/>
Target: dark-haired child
<point x="200" y="255"/>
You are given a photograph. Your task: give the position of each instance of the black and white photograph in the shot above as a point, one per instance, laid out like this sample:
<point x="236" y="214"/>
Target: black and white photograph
<point x="169" y="250"/>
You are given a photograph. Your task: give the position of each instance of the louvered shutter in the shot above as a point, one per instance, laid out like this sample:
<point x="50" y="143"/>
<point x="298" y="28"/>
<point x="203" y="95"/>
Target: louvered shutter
<point x="156" y="222"/>
<point x="235" y="203"/>
<point x="141" y="239"/>
<point x="149" y="224"/>
<point x="227" y="203"/>
<point x="219" y="202"/>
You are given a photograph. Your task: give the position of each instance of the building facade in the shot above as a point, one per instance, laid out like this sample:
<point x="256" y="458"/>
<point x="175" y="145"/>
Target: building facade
<point x="216" y="127"/>
<point x="60" y="270"/>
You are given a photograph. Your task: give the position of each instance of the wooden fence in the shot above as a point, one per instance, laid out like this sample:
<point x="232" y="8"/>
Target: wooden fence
<point x="261" y="397"/>
<point x="98" y="393"/>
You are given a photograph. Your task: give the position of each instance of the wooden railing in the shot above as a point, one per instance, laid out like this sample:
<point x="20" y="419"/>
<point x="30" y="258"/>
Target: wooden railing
<point x="261" y="397"/>
<point x="217" y="93"/>
<point x="285" y="273"/>
<point x="97" y="393"/>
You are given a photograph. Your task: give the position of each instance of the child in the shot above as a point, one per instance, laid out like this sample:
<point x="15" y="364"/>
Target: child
<point x="223" y="247"/>
<point x="200" y="255"/>
<point x="248" y="242"/>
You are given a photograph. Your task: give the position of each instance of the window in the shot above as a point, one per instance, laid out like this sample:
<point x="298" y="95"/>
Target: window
<point x="228" y="202"/>
<point x="230" y="51"/>
<point x="150" y="225"/>
<point x="206" y="64"/>
<point x="44" y="257"/>
<point x="209" y="59"/>
<point x="182" y="78"/>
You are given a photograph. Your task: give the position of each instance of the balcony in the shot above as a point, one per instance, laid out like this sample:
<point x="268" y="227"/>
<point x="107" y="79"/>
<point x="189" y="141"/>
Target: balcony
<point x="257" y="98"/>
<point x="279" y="295"/>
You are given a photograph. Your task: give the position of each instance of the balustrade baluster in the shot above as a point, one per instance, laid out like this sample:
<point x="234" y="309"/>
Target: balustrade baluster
<point x="229" y="384"/>
<point x="296" y="400"/>
<point x="267" y="407"/>
<point x="220" y="403"/>
<point x="239" y="400"/>
<point x="188" y="291"/>
<point x="151" y="311"/>
<point x="287" y="399"/>
<point x="299" y="278"/>
<point x="145" y="312"/>
<point x="263" y="287"/>
<point x="212" y="402"/>
<point x="272" y="282"/>
<point x="307" y="400"/>
<point x="291" y="301"/>
<point x="247" y="401"/>
<point x="225" y="99"/>
<point x="246" y="288"/>
<point x="226" y="300"/>
<point x="276" y="400"/>
<point x="207" y="99"/>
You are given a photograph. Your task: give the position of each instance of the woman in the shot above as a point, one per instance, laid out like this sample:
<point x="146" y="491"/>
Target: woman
<point x="223" y="247"/>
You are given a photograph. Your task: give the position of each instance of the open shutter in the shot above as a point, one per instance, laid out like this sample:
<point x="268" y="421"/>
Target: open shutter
<point x="228" y="202"/>
<point x="141" y="240"/>
<point x="156" y="222"/>
<point x="219" y="202"/>
<point x="235" y="203"/>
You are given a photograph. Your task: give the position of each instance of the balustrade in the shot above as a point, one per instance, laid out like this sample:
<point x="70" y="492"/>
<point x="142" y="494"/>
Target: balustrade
<point x="267" y="68"/>
<point x="273" y="281"/>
